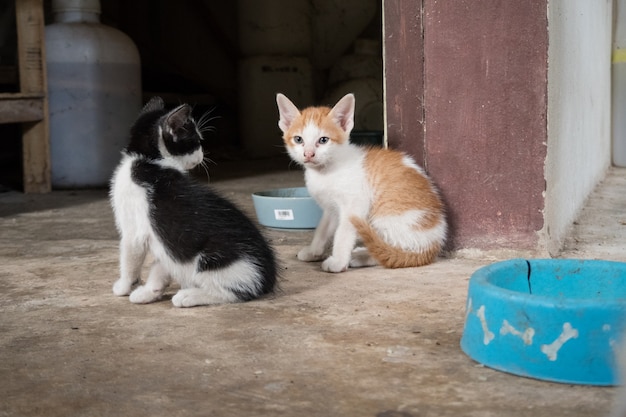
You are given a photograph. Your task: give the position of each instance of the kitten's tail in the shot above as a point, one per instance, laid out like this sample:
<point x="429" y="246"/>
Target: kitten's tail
<point x="390" y="256"/>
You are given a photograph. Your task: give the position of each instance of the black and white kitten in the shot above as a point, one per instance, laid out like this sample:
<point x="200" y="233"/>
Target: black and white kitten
<point x="197" y="238"/>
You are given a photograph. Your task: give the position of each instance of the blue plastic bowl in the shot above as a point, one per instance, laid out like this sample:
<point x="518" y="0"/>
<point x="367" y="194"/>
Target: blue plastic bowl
<point x="552" y="319"/>
<point x="287" y="208"/>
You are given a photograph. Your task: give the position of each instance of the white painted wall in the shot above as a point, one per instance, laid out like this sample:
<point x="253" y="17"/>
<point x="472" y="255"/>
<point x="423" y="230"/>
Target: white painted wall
<point x="579" y="109"/>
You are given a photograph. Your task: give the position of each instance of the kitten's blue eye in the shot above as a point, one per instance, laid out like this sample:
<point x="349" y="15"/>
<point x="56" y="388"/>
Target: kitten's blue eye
<point x="323" y="140"/>
<point x="297" y="140"/>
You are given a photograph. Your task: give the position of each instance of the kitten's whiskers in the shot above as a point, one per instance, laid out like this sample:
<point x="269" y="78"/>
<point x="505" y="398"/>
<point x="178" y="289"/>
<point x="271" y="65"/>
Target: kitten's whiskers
<point x="204" y="166"/>
<point x="204" y="120"/>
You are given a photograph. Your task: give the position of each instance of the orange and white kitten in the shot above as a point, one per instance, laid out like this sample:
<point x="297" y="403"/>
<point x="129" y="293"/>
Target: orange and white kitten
<point x="379" y="195"/>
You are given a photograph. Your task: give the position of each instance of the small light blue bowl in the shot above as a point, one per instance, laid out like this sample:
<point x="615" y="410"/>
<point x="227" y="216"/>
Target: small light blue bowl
<point x="287" y="208"/>
<point x="559" y="320"/>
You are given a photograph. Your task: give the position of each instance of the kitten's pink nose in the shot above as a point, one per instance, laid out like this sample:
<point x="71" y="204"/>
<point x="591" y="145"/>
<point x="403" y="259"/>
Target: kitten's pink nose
<point x="308" y="155"/>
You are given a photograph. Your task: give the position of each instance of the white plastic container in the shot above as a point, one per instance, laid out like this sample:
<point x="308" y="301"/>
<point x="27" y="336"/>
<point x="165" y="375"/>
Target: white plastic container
<point x="368" y="92"/>
<point x="618" y="87"/>
<point x="260" y="78"/>
<point x="274" y="27"/>
<point x="335" y="25"/>
<point x="365" y="62"/>
<point x="94" y="90"/>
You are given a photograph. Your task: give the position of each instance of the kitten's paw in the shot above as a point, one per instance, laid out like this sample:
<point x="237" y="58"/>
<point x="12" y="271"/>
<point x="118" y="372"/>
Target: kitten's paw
<point x="144" y="295"/>
<point x="332" y="264"/>
<point x="190" y="297"/>
<point x="185" y="298"/>
<point x="307" y="255"/>
<point x="362" y="258"/>
<point x="122" y="287"/>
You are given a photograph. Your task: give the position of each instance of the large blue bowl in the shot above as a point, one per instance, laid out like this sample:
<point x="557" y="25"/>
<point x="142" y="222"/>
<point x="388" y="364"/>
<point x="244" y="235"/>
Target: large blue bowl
<point x="553" y="319"/>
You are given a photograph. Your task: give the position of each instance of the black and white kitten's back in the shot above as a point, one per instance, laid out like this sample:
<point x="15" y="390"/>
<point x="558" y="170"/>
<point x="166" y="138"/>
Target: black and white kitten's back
<point x="197" y="238"/>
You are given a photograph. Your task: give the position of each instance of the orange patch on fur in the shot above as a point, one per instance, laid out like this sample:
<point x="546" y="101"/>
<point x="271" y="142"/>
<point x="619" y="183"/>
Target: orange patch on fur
<point x="319" y="116"/>
<point x="400" y="189"/>
<point x="390" y="256"/>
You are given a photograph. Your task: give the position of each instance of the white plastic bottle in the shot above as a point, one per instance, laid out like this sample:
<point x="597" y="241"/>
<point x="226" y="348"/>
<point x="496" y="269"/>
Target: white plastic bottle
<point x="618" y="87"/>
<point x="94" y="92"/>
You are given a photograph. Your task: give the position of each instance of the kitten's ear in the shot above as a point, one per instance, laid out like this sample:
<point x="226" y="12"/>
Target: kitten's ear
<point x="178" y="117"/>
<point x="155" y="103"/>
<point x="287" y="110"/>
<point x="343" y="113"/>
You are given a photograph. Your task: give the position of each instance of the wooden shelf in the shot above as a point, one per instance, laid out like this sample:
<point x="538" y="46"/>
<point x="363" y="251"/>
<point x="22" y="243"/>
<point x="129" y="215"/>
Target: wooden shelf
<point x="30" y="105"/>
<point x="20" y="107"/>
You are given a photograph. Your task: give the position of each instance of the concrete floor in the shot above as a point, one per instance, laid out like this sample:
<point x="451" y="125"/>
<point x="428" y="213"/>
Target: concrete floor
<point x="368" y="342"/>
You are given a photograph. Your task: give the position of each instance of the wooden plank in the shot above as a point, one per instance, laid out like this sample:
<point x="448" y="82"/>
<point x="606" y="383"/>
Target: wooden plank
<point x="36" y="158"/>
<point x="31" y="62"/>
<point x="21" y="110"/>
<point x="30" y="45"/>
<point x="21" y="96"/>
<point x="486" y="129"/>
<point x="404" y="76"/>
